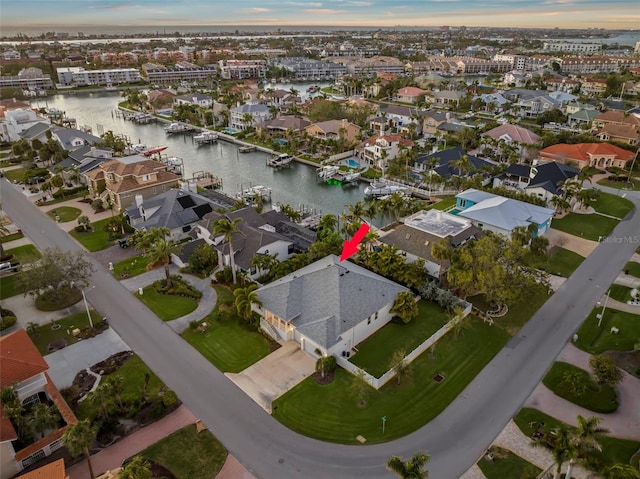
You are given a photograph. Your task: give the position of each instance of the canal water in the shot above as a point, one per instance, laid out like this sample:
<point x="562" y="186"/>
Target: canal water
<point x="296" y="186"/>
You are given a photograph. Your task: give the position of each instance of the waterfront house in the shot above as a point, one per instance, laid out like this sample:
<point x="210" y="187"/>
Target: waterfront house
<point x="334" y="130"/>
<point x="582" y="155"/>
<point x="16" y="121"/>
<point x="243" y="117"/>
<point x="279" y="127"/>
<point x="398" y="118"/>
<point x="416" y="234"/>
<point x="24" y="368"/>
<point x="544" y="180"/>
<point x="79" y="161"/>
<point x="451" y="162"/>
<point x="502" y="215"/>
<point x="513" y="134"/>
<point x="118" y="181"/>
<point x="72" y="138"/>
<point x="197" y="99"/>
<point x="329" y="305"/>
<point x="378" y="150"/>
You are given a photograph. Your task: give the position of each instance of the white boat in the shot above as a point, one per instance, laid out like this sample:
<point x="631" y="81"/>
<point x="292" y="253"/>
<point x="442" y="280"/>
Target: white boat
<point x="174" y="128"/>
<point x="280" y="160"/>
<point x="142" y="149"/>
<point x="326" y="172"/>
<point x="376" y="190"/>
<point x="250" y="193"/>
<point x="206" y="137"/>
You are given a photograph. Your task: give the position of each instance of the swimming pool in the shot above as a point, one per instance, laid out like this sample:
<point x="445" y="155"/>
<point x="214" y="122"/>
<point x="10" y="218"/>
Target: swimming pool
<point x="231" y="131"/>
<point x="351" y="163"/>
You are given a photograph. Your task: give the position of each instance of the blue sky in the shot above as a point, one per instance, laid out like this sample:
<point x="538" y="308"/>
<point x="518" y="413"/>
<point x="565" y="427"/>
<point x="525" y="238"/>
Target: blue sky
<point x="516" y="13"/>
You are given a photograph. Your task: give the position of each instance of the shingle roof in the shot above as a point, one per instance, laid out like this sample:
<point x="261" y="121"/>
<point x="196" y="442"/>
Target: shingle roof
<point x="582" y="151"/>
<point x="327" y="298"/>
<point x="19" y="359"/>
<point x="445" y="157"/>
<point x="515" y="132"/>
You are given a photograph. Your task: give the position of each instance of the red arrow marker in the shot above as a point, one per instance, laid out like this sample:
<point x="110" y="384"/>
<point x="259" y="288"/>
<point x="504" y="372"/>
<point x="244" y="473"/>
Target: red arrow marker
<point x="351" y="246"/>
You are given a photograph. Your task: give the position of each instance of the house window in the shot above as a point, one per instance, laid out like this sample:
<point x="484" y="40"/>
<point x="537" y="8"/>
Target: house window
<point x="33" y="458"/>
<point x="376" y="316"/>
<point x="33" y="399"/>
<point x="154" y="190"/>
<point x="369" y="320"/>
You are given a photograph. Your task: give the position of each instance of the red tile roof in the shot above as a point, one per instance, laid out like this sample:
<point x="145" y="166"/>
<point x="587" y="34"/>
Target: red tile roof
<point x="583" y="151"/>
<point x="7" y="432"/>
<point x="411" y="91"/>
<point x="53" y="470"/>
<point x="19" y="359"/>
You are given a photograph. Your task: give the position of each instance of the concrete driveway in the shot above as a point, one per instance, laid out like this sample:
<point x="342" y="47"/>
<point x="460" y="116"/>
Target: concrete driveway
<point x="271" y="377"/>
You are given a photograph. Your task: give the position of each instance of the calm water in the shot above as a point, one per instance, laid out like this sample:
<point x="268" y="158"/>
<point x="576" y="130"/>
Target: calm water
<point x="295" y="186"/>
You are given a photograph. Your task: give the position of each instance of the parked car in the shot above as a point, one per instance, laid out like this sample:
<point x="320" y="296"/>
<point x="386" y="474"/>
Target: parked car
<point x="123" y="243"/>
<point x="10" y="266"/>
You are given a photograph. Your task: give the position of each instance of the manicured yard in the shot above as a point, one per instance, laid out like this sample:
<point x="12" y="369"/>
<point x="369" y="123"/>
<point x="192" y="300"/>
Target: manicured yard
<point x="12" y="237"/>
<point x="65" y="213"/>
<point x="24" y="254"/>
<point x="613" y="450"/>
<point x="559" y="261"/>
<point x="15" y="175"/>
<point x="8" y="285"/>
<point x="167" y="306"/>
<point x="133" y="373"/>
<point x="95" y="240"/>
<point x="188" y="454"/>
<point x="613" y="205"/>
<point x="601" y="399"/>
<point x="620" y="293"/>
<point x="130" y="267"/>
<point x="330" y="412"/>
<point x="45" y="334"/>
<point x="228" y="345"/>
<point x="507" y="465"/>
<point x="445" y="204"/>
<point x="633" y="268"/>
<point x="591" y="227"/>
<point x="518" y="313"/>
<point x="621" y="185"/>
<point x="594" y="339"/>
<point x="374" y="354"/>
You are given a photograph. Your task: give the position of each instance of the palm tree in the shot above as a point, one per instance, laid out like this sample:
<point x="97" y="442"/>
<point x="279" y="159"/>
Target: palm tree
<point x="561" y="445"/>
<point x="405" y="306"/>
<point x="79" y="439"/>
<point x="244" y="299"/>
<point x="370" y="211"/>
<point x="227" y="228"/>
<point x="411" y="469"/>
<point x="116" y="385"/>
<point x="441" y="250"/>
<point x="400" y="365"/>
<point x="575" y="381"/>
<point x="459" y="322"/>
<point x="102" y="396"/>
<point x="264" y="262"/>
<point x="43" y="417"/>
<point x="136" y="468"/>
<point x="157" y="248"/>
<point x="621" y="471"/>
<point x="357" y="211"/>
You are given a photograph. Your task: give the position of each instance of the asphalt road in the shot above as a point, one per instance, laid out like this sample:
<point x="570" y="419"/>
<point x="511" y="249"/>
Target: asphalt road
<point x="455" y="439"/>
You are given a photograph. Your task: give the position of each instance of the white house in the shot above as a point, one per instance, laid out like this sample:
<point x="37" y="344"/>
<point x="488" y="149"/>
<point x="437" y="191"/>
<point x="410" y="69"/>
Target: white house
<point x="248" y="115"/>
<point x="328" y="305"/>
<point x="16" y="122"/>
<point x="198" y="99"/>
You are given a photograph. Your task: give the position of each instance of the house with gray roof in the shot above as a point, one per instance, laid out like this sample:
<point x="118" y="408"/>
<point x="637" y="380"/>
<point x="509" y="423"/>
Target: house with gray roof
<point x="72" y="138"/>
<point x="248" y="115"/>
<point x="502" y="215"/>
<point x="543" y="180"/>
<point x="446" y="163"/>
<point x="38" y="131"/>
<point x="198" y="99"/>
<point x="329" y="305"/>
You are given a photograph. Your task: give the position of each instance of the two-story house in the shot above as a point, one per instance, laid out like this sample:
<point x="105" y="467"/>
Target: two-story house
<point x="581" y="155"/>
<point x="378" y="150"/>
<point x="410" y="94"/>
<point x="118" y="181"/>
<point x="197" y="99"/>
<point x="617" y="125"/>
<point x="23" y="367"/>
<point x="334" y="130"/>
<point x="243" y="117"/>
<point x="543" y="180"/>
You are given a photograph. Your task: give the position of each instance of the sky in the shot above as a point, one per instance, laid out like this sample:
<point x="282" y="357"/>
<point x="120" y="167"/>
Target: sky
<point x="608" y="14"/>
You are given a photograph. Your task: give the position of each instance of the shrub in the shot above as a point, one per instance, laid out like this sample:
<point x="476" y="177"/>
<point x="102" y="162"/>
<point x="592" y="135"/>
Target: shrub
<point x="169" y="398"/>
<point x="179" y="288"/>
<point x="7" y="322"/>
<point x="97" y="205"/>
<point x="194" y="324"/>
<point x="68" y="192"/>
<point x="224" y="275"/>
<point x="157" y="409"/>
<point x="329" y="363"/>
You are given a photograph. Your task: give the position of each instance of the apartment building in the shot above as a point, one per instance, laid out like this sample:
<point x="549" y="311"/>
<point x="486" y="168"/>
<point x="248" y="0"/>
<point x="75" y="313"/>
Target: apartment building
<point x="303" y="67"/>
<point x="240" y="69"/>
<point x="78" y="76"/>
<point x="181" y="71"/>
<point x="28" y="79"/>
<point x="588" y="48"/>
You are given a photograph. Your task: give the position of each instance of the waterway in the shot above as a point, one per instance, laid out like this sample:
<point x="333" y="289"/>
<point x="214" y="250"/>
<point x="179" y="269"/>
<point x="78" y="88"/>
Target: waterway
<point x="296" y="186"/>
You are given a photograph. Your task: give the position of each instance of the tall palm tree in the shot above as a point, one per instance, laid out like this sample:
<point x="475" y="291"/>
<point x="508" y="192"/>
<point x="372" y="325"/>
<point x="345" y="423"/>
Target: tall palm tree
<point x="264" y="262"/>
<point x="136" y="468"/>
<point x="157" y="248"/>
<point x="561" y="445"/>
<point x="116" y="385"/>
<point x="411" y="469"/>
<point x="357" y="211"/>
<point x="227" y="229"/>
<point x="245" y="298"/>
<point x="102" y="396"/>
<point x="79" y="439"/>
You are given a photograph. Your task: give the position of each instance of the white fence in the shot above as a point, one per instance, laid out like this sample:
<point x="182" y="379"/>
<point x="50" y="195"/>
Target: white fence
<point x="377" y="383"/>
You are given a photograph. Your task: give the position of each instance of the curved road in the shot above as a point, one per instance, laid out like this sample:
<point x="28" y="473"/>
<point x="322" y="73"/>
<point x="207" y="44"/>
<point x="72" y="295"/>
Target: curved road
<point x="455" y="439"/>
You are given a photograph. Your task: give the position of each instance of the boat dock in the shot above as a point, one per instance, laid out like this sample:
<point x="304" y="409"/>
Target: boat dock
<point x="280" y="161"/>
<point x="247" y="149"/>
<point x="177" y="128"/>
<point x="206" y="180"/>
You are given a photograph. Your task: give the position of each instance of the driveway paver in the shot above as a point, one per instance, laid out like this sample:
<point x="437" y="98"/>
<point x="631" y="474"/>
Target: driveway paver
<point x="271" y="377"/>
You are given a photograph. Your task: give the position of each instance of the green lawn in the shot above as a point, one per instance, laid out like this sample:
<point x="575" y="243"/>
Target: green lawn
<point x="12" y="237"/>
<point x="518" y="313"/>
<point x="507" y="465"/>
<point x="600" y="399"/>
<point x="95" y="240"/>
<point x="167" y="306"/>
<point x="133" y="372"/>
<point x="613" y="450"/>
<point x="65" y="213"/>
<point x="8" y="285"/>
<point x="226" y="344"/>
<point x="445" y="204"/>
<point x="591" y="227"/>
<point x="45" y="334"/>
<point x="634" y="185"/>
<point x="620" y="293"/>
<point x="188" y="454"/>
<point x="330" y="412"/>
<point x="595" y="340"/>
<point x="27" y="253"/>
<point x="15" y="175"/>
<point x="633" y="268"/>
<point x="374" y="354"/>
<point x="559" y="261"/>
<point x="613" y="205"/>
<point x="130" y="267"/>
